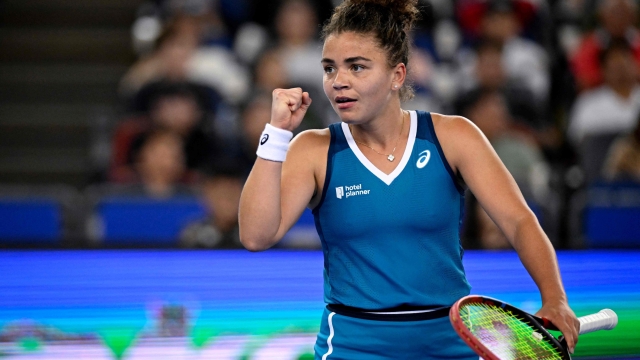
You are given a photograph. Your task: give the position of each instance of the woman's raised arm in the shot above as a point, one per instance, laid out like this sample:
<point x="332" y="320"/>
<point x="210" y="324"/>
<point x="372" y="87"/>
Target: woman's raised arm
<point x="277" y="191"/>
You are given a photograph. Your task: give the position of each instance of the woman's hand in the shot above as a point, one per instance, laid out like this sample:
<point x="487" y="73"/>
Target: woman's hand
<point x="561" y="315"/>
<point x="288" y="108"/>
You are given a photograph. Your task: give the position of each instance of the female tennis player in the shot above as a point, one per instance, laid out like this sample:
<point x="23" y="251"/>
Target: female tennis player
<point x="386" y="188"/>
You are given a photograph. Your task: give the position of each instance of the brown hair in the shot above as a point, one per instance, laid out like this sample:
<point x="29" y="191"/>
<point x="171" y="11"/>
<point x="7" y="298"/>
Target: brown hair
<point x="390" y="21"/>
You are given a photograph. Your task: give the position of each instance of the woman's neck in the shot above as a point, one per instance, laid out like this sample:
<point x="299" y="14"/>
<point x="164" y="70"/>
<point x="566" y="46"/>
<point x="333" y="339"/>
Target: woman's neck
<point x="384" y="130"/>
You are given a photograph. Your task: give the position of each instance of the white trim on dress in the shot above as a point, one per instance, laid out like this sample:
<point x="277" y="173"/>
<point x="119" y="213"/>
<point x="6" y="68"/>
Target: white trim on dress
<point x="386" y="178"/>
<point x="331" y="332"/>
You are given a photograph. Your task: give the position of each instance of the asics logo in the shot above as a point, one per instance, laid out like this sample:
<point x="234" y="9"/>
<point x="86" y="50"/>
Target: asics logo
<point x="264" y="139"/>
<point x="423" y="159"/>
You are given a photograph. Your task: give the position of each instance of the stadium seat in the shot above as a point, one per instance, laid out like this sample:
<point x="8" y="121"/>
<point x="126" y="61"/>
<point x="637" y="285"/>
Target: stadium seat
<point x="612" y="216"/>
<point x="35" y="215"/>
<point x="30" y="221"/>
<point x="139" y="220"/>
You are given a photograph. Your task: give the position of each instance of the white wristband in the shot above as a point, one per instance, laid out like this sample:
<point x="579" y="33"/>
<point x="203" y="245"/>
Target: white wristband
<point x="274" y="143"/>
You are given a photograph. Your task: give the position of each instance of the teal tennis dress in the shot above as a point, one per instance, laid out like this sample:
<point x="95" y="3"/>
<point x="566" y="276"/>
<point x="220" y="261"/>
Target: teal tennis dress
<point x="393" y="258"/>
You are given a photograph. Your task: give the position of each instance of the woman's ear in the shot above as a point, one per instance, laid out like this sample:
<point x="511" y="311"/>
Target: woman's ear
<point x="399" y="76"/>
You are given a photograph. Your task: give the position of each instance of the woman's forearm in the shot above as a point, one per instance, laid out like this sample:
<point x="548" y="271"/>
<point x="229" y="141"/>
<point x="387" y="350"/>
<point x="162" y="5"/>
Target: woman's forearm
<point x="539" y="258"/>
<point x="259" y="216"/>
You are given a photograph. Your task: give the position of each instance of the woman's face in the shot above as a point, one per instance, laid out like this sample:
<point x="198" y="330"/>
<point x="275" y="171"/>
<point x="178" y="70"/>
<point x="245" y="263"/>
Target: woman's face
<point x="357" y="78"/>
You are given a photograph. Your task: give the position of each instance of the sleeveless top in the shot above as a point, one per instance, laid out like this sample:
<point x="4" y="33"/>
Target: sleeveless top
<point x="391" y="241"/>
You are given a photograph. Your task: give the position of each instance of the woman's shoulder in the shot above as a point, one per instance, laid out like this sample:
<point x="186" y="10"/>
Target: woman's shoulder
<point x="458" y="137"/>
<point x="458" y="125"/>
<point x="312" y="141"/>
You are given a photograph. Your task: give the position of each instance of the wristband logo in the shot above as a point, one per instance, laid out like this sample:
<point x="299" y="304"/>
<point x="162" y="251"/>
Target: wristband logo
<point x="264" y="139"/>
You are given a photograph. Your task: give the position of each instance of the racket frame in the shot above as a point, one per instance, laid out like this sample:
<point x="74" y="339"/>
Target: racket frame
<point x="476" y="345"/>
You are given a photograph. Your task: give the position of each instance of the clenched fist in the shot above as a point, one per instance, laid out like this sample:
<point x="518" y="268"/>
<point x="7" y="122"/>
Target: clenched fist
<point x="288" y="108"/>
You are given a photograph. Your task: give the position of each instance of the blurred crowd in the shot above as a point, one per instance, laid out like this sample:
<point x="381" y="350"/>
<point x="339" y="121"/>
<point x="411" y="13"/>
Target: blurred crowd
<point x="553" y="84"/>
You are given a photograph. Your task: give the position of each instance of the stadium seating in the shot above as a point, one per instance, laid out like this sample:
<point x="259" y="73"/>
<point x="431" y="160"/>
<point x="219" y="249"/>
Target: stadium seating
<point x="35" y="215"/>
<point x="612" y="216"/>
<point x="123" y="221"/>
<point x="30" y="220"/>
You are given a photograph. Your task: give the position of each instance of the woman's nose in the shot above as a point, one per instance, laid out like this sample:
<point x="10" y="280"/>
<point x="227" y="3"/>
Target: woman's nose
<point x="339" y="82"/>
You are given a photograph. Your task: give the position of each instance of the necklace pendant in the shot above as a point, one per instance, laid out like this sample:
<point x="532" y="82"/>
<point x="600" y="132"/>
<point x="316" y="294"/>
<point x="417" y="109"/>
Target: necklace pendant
<point x="391" y="157"/>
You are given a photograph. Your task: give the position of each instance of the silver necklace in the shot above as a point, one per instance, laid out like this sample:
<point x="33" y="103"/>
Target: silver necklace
<point x="390" y="157"/>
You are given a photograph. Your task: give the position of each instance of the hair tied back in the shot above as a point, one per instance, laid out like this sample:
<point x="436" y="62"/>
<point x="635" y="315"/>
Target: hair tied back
<point x="405" y="11"/>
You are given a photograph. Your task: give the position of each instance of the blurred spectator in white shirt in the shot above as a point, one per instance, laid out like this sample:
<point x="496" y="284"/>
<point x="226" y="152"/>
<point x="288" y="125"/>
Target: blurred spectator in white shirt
<point x="612" y="107"/>
<point x="179" y="56"/>
<point x="490" y="74"/>
<point x="524" y="60"/>
<point x="299" y="51"/>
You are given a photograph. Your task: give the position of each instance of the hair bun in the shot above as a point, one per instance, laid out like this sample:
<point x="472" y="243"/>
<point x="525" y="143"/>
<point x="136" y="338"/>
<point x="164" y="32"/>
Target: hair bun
<point x="405" y="10"/>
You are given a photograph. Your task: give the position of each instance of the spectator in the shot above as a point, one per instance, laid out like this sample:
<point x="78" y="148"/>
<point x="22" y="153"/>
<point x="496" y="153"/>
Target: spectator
<point x="296" y="30"/>
<point x="489" y="74"/>
<point x="174" y="48"/>
<point x="612" y="107"/>
<point x="470" y="15"/>
<point x="269" y="73"/>
<point x="255" y="116"/>
<point x="617" y="20"/>
<point x="205" y="15"/>
<point x="221" y="188"/>
<point x="523" y="59"/>
<point x="179" y="56"/>
<point x="160" y="165"/>
<point x="623" y="159"/>
<point x="299" y="53"/>
<point x="171" y="107"/>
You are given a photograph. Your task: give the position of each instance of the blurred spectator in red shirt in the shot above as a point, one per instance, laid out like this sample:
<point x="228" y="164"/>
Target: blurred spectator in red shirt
<point x="617" y="19"/>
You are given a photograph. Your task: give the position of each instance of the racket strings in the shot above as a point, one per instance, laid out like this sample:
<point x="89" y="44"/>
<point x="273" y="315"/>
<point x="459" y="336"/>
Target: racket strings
<point x="505" y="334"/>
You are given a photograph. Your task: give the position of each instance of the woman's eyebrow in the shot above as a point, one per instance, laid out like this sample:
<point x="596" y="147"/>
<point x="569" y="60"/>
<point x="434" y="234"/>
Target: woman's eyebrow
<point x="347" y="60"/>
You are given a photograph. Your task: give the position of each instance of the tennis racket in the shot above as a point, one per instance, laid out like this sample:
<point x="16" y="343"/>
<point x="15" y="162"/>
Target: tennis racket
<point x="498" y="331"/>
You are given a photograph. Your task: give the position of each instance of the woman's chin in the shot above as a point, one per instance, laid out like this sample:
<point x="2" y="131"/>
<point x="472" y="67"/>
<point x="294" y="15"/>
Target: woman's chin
<point x="348" y="117"/>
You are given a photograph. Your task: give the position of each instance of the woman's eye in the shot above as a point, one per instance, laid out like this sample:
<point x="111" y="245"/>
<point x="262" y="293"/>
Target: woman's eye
<point x="357" y="68"/>
<point x="328" y="69"/>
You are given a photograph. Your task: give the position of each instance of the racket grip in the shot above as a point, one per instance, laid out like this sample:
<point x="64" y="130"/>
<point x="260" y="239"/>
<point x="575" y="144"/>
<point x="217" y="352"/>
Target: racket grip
<point x="603" y="320"/>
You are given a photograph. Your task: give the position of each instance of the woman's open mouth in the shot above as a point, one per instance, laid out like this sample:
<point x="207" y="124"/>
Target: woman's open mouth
<point x="344" y="102"/>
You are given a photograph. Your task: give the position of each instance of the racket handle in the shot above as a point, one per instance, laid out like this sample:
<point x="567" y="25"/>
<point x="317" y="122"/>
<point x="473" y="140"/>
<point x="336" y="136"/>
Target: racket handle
<point x="603" y="320"/>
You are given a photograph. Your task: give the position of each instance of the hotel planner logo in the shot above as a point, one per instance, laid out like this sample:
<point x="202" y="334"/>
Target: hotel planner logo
<point x="353" y="190"/>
